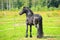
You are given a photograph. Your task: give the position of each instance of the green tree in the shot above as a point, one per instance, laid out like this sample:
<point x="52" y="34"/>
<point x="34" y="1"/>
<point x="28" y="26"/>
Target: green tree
<point x="30" y="3"/>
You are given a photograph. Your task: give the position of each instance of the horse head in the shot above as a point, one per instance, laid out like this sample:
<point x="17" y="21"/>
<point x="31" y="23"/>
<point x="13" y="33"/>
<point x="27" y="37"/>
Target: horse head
<point x="24" y="10"/>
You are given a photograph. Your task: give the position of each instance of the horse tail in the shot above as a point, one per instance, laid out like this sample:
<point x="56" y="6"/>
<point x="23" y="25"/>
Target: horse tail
<point x="40" y="29"/>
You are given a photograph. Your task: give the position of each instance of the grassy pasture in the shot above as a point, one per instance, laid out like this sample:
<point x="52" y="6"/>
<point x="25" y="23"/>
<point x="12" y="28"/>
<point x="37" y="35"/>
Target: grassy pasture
<point x="12" y="26"/>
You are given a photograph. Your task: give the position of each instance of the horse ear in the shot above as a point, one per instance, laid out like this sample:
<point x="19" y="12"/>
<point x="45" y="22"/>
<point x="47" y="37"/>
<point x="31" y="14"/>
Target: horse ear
<point x="24" y="7"/>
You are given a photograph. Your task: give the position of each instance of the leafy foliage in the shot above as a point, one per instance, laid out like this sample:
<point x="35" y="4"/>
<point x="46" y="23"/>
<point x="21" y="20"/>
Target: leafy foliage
<point x="8" y="4"/>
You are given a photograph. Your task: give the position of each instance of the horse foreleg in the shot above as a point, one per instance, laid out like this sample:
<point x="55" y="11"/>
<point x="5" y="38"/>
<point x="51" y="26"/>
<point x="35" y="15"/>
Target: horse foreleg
<point x="30" y="30"/>
<point x="26" y="30"/>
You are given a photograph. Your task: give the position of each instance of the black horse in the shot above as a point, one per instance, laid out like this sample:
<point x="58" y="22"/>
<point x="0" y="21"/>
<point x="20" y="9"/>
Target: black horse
<point x="33" y="19"/>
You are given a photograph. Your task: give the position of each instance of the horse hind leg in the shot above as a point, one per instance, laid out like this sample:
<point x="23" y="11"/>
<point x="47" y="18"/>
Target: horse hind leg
<point x="35" y="25"/>
<point x="39" y="32"/>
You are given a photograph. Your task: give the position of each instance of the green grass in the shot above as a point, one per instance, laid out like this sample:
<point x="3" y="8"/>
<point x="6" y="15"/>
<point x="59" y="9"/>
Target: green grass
<point x="13" y="28"/>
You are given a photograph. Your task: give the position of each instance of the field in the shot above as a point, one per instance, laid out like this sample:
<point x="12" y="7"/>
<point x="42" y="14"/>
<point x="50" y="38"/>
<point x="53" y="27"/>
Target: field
<point x="12" y="26"/>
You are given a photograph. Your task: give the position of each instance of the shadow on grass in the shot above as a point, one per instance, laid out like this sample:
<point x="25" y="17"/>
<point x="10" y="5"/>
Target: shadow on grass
<point x="51" y="37"/>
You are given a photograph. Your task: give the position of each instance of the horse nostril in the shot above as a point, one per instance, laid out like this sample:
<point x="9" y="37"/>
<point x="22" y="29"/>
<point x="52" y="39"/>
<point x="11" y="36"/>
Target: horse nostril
<point x="20" y="14"/>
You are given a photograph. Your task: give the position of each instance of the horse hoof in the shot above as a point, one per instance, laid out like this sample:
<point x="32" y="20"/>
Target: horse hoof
<point x="26" y="36"/>
<point x="30" y="36"/>
<point x="39" y="36"/>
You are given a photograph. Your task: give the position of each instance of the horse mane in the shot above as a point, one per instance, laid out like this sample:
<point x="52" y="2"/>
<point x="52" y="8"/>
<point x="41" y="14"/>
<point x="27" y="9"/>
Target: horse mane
<point x="30" y="10"/>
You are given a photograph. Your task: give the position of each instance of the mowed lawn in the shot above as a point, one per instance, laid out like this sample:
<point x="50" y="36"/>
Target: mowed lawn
<point x="12" y="26"/>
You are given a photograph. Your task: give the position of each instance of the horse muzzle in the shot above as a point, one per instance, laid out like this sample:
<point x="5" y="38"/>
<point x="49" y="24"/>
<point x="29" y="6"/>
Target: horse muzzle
<point x="20" y="14"/>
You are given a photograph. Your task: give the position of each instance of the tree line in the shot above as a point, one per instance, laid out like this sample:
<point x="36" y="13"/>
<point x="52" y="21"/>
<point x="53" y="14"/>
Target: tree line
<point x="12" y="4"/>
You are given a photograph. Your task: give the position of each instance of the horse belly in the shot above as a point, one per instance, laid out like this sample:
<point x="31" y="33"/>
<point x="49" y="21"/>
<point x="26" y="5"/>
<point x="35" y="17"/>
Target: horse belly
<point x="30" y="22"/>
